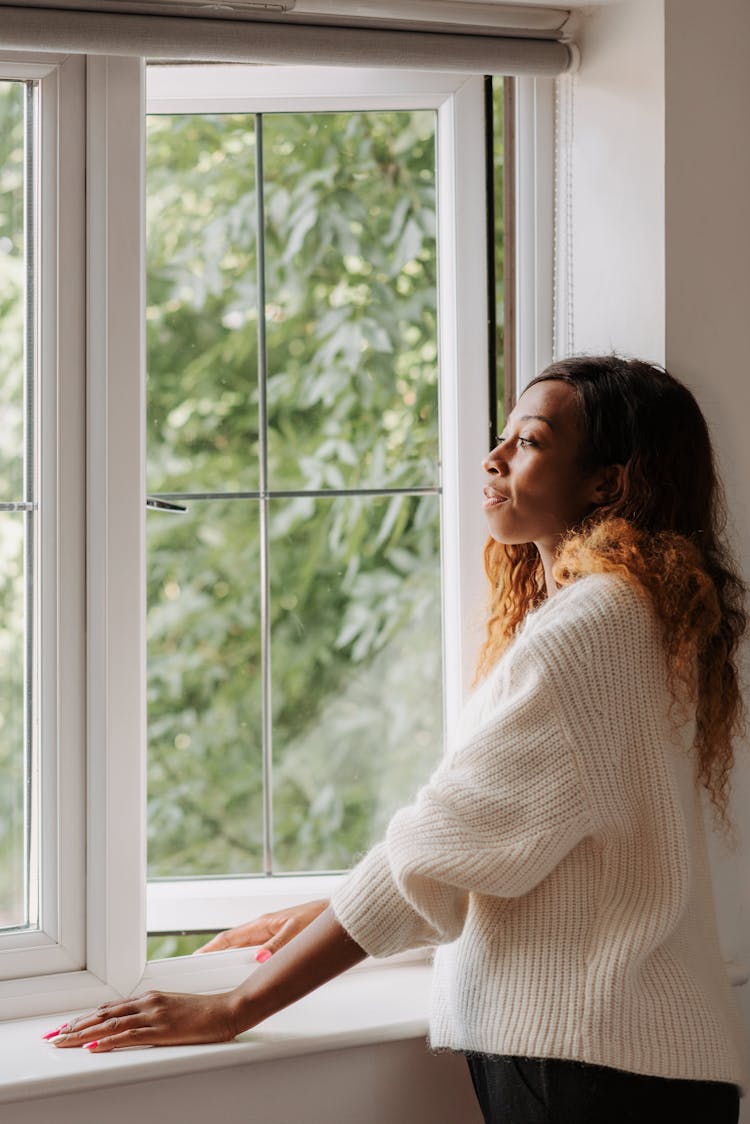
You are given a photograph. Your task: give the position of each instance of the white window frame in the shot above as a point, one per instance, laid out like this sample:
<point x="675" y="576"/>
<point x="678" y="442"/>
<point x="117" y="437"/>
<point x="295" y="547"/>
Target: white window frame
<point x="57" y="943"/>
<point x="116" y="906"/>
<point x="187" y="904"/>
<point x="534" y="126"/>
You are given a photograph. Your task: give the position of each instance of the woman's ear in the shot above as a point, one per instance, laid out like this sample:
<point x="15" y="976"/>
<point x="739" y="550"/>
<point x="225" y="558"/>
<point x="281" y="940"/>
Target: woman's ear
<point x="608" y="484"/>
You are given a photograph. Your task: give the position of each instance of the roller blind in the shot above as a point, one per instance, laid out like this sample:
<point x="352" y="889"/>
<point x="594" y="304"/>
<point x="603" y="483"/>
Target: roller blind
<point x="492" y="39"/>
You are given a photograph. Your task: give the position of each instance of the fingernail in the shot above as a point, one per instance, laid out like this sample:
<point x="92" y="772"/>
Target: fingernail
<point x="90" y="1045"/>
<point x="262" y="955"/>
<point x="54" y="1033"/>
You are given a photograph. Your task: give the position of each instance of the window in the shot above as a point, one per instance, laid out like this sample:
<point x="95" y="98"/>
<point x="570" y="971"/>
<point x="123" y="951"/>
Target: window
<point x="41" y="520"/>
<point x="291" y="438"/>
<point x="295" y="647"/>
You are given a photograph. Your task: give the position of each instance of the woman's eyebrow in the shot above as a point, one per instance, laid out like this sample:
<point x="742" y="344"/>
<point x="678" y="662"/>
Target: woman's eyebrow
<point x="536" y="417"/>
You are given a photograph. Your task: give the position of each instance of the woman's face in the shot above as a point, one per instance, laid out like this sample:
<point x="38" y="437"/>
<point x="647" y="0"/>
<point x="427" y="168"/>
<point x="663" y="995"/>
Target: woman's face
<point x="536" y="490"/>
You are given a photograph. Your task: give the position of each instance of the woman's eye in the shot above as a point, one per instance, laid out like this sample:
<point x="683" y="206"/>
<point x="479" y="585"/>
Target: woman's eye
<point x="522" y="441"/>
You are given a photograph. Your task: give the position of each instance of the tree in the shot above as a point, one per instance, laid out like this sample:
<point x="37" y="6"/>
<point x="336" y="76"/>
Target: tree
<point x="350" y="309"/>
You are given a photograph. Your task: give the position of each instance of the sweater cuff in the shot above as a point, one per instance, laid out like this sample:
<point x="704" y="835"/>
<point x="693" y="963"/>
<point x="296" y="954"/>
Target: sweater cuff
<point x="373" y="911"/>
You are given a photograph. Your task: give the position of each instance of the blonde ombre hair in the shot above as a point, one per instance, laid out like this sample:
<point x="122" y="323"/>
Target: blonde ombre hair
<point x="663" y="531"/>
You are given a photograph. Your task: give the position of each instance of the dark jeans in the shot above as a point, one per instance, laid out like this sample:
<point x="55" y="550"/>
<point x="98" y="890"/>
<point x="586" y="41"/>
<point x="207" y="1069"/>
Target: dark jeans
<point x="554" y="1091"/>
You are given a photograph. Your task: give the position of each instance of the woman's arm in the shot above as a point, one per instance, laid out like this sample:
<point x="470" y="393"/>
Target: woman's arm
<point x="321" y="951"/>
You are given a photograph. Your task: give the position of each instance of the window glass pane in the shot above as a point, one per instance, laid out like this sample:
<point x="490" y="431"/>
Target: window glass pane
<point x="356" y="655"/>
<point x="204" y="697"/>
<point x="351" y="299"/>
<point x="351" y="591"/>
<point x="18" y="573"/>
<point x="12" y="288"/>
<point x="161" y="946"/>
<point x="498" y="182"/>
<point x="202" y="315"/>
<point x="12" y="731"/>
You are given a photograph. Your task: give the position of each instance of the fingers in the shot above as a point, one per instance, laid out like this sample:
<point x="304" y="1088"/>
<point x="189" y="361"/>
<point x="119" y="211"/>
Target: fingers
<point x="271" y="931"/>
<point x="105" y="1033"/>
<point x="137" y="1036"/>
<point x="287" y="931"/>
<point x="154" y="1019"/>
<point x="116" y="1009"/>
<point x="243" y="936"/>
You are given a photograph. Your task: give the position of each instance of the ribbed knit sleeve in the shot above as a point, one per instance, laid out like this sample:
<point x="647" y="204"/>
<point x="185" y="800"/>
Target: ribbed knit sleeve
<point x="557" y="855"/>
<point x="495" y="819"/>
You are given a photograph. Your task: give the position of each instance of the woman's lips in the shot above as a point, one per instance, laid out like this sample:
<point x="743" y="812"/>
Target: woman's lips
<point x="492" y="499"/>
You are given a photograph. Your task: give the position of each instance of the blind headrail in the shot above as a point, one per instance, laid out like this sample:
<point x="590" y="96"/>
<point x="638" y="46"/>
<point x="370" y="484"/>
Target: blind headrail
<point x="199" y="39"/>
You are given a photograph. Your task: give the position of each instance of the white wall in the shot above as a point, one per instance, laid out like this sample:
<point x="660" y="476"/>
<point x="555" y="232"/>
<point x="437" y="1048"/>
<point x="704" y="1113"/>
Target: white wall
<point x="618" y="182"/>
<point x="708" y="308"/>
<point x="392" y="1082"/>
<point x="661" y="264"/>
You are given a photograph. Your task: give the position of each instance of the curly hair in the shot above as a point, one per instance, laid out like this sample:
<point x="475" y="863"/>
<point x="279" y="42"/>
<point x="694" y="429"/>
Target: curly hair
<point x="663" y="530"/>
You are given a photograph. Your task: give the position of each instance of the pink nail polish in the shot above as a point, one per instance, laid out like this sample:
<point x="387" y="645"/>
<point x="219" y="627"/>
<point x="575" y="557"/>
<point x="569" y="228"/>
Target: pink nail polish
<point x="90" y="1045"/>
<point x="54" y="1033"/>
<point x="262" y="955"/>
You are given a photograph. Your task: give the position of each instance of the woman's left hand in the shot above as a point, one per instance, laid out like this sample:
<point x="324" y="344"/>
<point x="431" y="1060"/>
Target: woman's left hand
<point x="155" y="1019"/>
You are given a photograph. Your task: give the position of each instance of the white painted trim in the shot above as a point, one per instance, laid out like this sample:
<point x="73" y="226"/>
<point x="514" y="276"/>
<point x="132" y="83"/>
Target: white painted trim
<point x="534" y="225"/>
<point x="205" y="904"/>
<point x="358" y="1008"/>
<point x="464" y="402"/>
<point x="116" y="522"/>
<point x="464" y="380"/>
<point x="71" y="419"/>
<point x="261" y="89"/>
<point x="22" y="65"/>
<point x="59" y="802"/>
<point x="219" y="971"/>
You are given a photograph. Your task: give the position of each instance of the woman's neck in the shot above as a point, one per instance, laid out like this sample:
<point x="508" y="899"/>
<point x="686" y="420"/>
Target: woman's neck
<point x="548" y="554"/>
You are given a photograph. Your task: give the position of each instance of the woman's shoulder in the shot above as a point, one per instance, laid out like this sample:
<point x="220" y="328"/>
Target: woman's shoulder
<point x="596" y="615"/>
<point x="594" y="597"/>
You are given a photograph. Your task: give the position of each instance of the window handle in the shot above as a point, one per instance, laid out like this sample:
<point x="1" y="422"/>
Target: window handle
<point x="164" y="505"/>
<point x="18" y="506"/>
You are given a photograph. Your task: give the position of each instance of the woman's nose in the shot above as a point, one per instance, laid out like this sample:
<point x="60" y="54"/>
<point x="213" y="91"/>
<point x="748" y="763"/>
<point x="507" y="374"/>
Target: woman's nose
<point x="494" y="463"/>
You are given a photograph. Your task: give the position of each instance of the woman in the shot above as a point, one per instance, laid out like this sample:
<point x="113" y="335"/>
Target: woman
<point x="557" y="855"/>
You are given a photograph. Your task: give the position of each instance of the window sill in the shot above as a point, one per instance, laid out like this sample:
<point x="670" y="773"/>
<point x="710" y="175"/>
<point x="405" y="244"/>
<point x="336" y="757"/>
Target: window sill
<point x="360" y="1008"/>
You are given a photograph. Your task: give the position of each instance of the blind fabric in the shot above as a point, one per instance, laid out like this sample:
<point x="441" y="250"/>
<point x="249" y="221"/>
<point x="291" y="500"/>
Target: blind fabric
<point x="222" y="40"/>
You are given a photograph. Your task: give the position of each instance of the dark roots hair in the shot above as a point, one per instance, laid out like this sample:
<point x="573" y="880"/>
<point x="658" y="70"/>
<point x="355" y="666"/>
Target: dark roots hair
<point x="663" y="530"/>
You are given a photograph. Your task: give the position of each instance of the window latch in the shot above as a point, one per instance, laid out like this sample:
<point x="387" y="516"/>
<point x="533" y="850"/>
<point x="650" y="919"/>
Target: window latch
<point x="164" y="505"/>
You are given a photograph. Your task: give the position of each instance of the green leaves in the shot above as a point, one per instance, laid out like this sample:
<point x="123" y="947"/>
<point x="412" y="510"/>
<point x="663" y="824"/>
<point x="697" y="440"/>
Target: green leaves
<point x="12" y="584"/>
<point x="352" y="399"/>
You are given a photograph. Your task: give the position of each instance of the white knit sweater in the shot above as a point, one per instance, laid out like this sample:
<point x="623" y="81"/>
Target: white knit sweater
<point x="558" y="856"/>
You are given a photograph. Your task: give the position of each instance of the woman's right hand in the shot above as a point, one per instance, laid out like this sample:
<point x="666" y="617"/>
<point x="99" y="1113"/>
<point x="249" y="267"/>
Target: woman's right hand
<point x="271" y="931"/>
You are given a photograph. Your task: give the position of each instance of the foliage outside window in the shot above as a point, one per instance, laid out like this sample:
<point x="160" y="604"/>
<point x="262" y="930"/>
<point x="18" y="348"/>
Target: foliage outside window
<point x="350" y="321"/>
<point x="15" y="576"/>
